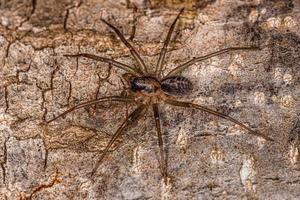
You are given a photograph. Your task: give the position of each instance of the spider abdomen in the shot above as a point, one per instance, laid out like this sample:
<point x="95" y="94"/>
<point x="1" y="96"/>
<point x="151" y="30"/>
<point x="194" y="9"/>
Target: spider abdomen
<point x="176" y="85"/>
<point x="146" y="84"/>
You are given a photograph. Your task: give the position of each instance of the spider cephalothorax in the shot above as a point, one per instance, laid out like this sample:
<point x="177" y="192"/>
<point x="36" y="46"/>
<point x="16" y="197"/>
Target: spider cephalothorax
<point x="145" y="85"/>
<point x="149" y="90"/>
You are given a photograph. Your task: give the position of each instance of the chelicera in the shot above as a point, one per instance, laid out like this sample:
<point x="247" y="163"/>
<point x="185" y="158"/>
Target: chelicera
<point x="149" y="90"/>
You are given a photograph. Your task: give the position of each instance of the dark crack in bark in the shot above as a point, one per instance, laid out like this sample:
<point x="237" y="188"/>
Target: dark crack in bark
<point x="10" y="80"/>
<point x="41" y="187"/>
<point x="3" y="162"/>
<point x="65" y="23"/>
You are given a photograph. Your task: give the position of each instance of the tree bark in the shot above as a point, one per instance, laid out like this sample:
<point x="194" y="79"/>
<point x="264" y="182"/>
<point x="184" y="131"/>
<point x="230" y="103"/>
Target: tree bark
<point x="208" y="157"/>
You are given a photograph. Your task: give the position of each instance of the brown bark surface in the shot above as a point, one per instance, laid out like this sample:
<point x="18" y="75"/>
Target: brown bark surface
<point x="208" y="158"/>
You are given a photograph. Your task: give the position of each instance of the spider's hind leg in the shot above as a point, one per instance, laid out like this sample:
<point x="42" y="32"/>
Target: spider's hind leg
<point x="187" y="64"/>
<point x="163" y="160"/>
<point x="93" y="102"/>
<point x="133" y="117"/>
<point x="216" y="113"/>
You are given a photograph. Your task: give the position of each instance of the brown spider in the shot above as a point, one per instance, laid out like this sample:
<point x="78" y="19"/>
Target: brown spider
<point x="148" y="90"/>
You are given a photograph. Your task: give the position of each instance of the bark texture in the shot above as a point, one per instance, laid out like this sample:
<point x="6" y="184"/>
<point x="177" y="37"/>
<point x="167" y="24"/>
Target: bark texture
<point x="208" y="158"/>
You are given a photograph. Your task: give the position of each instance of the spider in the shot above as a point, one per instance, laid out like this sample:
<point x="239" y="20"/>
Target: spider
<point x="150" y="89"/>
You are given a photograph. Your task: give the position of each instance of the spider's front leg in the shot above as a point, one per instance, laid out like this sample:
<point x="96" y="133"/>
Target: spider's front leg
<point x="216" y="113"/>
<point x="114" y="63"/>
<point x="142" y="67"/>
<point x="163" y="51"/>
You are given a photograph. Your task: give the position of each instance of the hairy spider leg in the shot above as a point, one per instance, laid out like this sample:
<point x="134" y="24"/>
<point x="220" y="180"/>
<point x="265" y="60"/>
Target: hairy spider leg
<point x="163" y="51"/>
<point x="93" y="102"/>
<point x="133" y="117"/>
<point x="185" y="65"/>
<point x="142" y="67"/>
<point x="213" y="112"/>
<point x="163" y="160"/>
<point x="117" y="64"/>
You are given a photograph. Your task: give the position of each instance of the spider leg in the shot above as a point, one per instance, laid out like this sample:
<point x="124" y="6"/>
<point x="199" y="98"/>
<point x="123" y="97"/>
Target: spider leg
<point x="213" y="112"/>
<point x="164" y="49"/>
<point x="163" y="160"/>
<point x="142" y="67"/>
<point x="88" y="103"/>
<point x="202" y="58"/>
<point x="133" y="117"/>
<point x="117" y="64"/>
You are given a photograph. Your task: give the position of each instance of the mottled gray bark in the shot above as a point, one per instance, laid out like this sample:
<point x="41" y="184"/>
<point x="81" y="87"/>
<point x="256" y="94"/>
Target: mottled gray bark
<point x="208" y="158"/>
